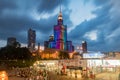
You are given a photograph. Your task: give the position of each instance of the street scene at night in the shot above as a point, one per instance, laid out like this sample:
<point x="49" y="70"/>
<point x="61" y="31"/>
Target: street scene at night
<point x="59" y="40"/>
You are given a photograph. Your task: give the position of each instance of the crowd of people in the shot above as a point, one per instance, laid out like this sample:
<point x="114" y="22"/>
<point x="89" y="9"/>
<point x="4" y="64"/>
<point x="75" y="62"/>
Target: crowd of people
<point x="30" y="74"/>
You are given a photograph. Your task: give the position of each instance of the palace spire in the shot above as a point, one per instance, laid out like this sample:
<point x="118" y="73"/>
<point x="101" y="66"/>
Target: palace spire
<point x="60" y="19"/>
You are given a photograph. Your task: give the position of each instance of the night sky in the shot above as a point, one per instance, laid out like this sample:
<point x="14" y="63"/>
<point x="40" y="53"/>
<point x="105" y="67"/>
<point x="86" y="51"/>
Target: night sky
<point x="96" y="21"/>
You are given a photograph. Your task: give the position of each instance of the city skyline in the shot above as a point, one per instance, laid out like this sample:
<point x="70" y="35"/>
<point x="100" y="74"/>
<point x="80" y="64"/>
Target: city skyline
<point x="95" y="21"/>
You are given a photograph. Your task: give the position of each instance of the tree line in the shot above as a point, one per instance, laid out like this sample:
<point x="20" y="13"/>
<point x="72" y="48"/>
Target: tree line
<point x="13" y="53"/>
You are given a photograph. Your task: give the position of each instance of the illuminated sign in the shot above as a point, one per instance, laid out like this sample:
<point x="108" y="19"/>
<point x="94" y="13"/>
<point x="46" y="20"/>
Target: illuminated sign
<point x="104" y="63"/>
<point x="93" y="55"/>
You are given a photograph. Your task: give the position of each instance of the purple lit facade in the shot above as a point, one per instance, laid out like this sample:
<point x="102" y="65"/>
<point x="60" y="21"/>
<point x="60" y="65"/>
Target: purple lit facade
<point x="59" y="39"/>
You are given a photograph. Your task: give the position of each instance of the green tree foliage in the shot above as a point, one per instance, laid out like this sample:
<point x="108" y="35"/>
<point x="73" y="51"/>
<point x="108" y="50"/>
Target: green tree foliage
<point x="12" y="56"/>
<point x="12" y="53"/>
<point x="16" y="44"/>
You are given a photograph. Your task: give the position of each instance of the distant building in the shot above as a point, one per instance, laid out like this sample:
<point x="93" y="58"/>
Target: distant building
<point x="31" y="39"/>
<point x="51" y="38"/>
<point x="38" y="46"/>
<point x="84" y="46"/>
<point x="11" y="41"/>
<point x="59" y="40"/>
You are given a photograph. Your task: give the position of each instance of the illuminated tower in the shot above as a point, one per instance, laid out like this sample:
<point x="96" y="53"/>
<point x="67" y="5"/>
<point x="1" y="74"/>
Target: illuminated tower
<point x="59" y="40"/>
<point x="31" y="39"/>
<point x="60" y="33"/>
<point x="84" y="46"/>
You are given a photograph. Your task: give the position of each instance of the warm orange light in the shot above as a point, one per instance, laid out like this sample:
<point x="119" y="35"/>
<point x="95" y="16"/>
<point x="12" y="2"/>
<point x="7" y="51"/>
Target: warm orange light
<point x="3" y="75"/>
<point x="33" y="54"/>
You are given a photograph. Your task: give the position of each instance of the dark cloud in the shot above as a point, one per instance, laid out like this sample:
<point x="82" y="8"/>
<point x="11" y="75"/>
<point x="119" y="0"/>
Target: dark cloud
<point x="101" y="2"/>
<point x="105" y="25"/>
<point x="7" y="4"/>
<point x="17" y="16"/>
<point x="93" y="24"/>
<point x="14" y="25"/>
<point x="50" y="5"/>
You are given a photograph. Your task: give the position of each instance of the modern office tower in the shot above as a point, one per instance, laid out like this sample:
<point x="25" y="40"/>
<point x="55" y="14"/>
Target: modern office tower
<point x="84" y="46"/>
<point x="46" y="43"/>
<point x="38" y="46"/>
<point x="31" y="39"/>
<point x="59" y="40"/>
<point x="11" y="41"/>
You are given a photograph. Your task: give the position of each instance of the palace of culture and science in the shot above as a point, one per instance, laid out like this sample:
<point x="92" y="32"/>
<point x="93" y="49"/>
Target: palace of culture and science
<point x="59" y="40"/>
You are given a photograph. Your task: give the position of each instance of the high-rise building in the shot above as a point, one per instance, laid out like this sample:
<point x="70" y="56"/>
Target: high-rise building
<point x="84" y="46"/>
<point x="51" y="38"/>
<point x="31" y="39"/>
<point x="11" y="41"/>
<point x="59" y="40"/>
<point x="38" y="46"/>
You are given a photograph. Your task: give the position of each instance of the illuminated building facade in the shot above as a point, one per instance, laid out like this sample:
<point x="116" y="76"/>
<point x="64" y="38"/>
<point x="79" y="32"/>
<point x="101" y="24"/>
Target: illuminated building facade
<point x="31" y="39"/>
<point x="84" y="46"/>
<point x="59" y="40"/>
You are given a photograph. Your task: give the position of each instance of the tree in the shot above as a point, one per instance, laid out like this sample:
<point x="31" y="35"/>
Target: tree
<point x="17" y="57"/>
<point x="13" y="53"/>
<point x="17" y="44"/>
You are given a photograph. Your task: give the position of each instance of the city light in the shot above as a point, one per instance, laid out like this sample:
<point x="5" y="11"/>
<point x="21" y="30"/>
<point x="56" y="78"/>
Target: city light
<point x="63" y="40"/>
<point x="3" y="75"/>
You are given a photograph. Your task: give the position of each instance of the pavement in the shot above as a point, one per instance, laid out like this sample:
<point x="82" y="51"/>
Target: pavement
<point x="108" y="76"/>
<point x="53" y="76"/>
<point x="15" y="78"/>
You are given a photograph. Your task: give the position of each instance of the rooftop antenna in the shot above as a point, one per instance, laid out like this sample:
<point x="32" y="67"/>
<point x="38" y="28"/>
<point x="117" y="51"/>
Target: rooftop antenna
<point x="60" y="6"/>
<point x="60" y="13"/>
